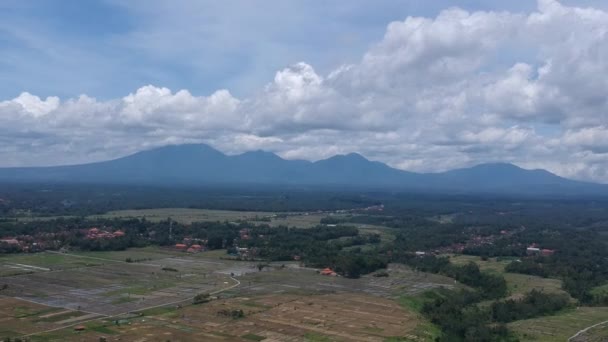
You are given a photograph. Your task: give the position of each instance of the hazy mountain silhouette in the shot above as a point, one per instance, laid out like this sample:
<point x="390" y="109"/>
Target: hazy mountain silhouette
<point x="199" y="164"/>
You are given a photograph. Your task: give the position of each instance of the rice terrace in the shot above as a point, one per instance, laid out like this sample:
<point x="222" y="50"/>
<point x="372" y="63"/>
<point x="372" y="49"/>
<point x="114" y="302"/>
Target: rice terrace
<point x="51" y="294"/>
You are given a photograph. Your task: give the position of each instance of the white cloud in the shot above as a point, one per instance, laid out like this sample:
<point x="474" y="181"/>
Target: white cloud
<point x="432" y="94"/>
<point x="32" y="105"/>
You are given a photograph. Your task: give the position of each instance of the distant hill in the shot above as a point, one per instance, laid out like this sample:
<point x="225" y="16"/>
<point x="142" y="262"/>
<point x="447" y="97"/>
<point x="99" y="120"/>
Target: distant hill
<point x="199" y="164"/>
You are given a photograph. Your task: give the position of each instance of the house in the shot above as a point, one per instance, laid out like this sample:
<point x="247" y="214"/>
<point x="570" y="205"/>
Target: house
<point x="119" y="233"/>
<point x="195" y="249"/>
<point x="96" y="233"/>
<point x="546" y="252"/>
<point x="532" y="250"/>
<point x="180" y="246"/>
<point x="10" y="241"/>
<point x="245" y="253"/>
<point x="328" y="272"/>
<point x="420" y="254"/>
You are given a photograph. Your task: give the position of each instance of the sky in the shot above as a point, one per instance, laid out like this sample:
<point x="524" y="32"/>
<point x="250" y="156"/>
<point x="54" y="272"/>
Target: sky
<point x="422" y="85"/>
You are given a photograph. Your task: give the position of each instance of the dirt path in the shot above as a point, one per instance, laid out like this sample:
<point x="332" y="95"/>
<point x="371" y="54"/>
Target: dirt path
<point x="586" y="329"/>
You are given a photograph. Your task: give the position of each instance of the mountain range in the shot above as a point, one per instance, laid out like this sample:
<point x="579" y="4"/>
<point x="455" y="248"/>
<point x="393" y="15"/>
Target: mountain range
<point x="199" y="164"/>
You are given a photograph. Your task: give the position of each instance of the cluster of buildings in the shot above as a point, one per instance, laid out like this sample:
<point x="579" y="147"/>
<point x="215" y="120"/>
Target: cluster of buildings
<point x="96" y="233"/>
<point x="193" y="248"/>
<point x="191" y="245"/>
<point x="25" y="244"/>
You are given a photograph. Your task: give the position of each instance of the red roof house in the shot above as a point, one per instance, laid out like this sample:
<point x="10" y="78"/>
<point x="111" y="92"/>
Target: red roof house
<point x="328" y="272"/>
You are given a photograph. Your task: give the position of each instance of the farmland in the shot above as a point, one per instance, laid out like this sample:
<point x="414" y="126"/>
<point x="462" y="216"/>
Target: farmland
<point x="563" y="326"/>
<point x="179" y="274"/>
<point x="187" y="216"/>
<point x="184" y="215"/>
<point x="283" y="302"/>
<point x="277" y="317"/>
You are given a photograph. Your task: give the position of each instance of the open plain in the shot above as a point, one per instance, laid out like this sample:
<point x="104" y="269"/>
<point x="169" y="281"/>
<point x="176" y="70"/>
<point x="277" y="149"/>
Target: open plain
<point x="50" y="294"/>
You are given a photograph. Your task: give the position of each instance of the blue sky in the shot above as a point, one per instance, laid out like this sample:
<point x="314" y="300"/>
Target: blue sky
<point x="421" y="85"/>
<point x="71" y="47"/>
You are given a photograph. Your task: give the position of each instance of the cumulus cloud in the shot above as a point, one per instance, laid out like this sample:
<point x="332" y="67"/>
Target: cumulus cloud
<point x="434" y="93"/>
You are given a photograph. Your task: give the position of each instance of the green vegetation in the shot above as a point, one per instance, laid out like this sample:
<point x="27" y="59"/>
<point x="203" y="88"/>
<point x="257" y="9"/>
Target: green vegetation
<point x="600" y="295"/>
<point x="201" y="298"/>
<point x="253" y="337"/>
<point x="533" y="304"/>
<point x="416" y="303"/>
<point x="558" y="327"/>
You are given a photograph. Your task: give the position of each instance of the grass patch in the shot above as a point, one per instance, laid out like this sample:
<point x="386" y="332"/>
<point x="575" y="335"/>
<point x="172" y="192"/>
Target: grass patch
<point x="519" y="284"/>
<point x="143" y="254"/>
<point x="14" y="264"/>
<point x="253" y="337"/>
<point x="24" y="311"/>
<point x="427" y="331"/>
<point x="100" y="328"/>
<point x="160" y="311"/>
<point x="490" y="265"/>
<point x="314" y="337"/>
<point x="558" y="327"/>
<point x="415" y="303"/>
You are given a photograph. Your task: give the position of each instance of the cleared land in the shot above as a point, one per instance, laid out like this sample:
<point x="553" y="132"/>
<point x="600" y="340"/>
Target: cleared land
<point x="184" y="215"/>
<point x="284" y="302"/>
<point x="18" y="317"/>
<point x="16" y="264"/>
<point x="284" y="317"/>
<point x="561" y="327"/>
<point x="110" y="286"/>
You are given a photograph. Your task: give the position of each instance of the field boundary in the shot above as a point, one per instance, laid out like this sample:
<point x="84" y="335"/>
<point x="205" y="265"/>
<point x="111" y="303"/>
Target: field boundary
<point x="128" y="312"/>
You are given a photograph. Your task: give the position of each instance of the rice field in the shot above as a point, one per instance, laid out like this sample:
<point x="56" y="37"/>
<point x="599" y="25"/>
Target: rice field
<point x="560" y="327"/>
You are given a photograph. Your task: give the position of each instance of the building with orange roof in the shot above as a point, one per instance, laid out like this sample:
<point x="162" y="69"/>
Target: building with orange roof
<point x="328" y="272"/>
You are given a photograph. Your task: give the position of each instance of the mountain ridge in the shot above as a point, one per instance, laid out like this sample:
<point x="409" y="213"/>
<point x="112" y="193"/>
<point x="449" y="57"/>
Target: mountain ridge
<point x="199" y="164"/>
